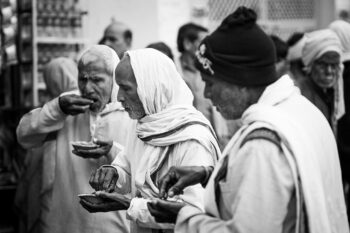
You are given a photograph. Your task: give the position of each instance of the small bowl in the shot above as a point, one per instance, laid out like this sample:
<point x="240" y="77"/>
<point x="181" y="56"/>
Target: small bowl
<point x="92" y="198"/>
<point x="82" y="145"/>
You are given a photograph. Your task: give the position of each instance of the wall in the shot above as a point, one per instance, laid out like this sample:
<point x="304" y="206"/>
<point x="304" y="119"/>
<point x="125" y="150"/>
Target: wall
<point x="140" y="15"/>
<point x="151" y="20"/>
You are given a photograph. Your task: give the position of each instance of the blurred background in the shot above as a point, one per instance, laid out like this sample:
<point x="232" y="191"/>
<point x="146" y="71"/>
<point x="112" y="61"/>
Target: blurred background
<point x="35" y="31"/>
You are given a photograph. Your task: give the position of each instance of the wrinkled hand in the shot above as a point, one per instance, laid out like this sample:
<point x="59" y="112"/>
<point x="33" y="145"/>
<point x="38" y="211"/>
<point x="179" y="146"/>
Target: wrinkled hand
<point x="103" y="150"/>
<point x="113" y="202"/>
<point x="104" y="178"/>
<point x="164" y="211"/>
<point x="178" y="178"/>
<point x="74" y="104"/>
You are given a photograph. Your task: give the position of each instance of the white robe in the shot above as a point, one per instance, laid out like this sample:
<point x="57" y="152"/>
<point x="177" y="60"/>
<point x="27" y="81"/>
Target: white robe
<point x="134" y="169"/>
<point x="71" y="173"/>
<point x="308" y="147"/>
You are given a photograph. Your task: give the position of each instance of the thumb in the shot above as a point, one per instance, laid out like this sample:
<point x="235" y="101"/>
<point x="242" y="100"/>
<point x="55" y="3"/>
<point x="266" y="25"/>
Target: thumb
<point x="102" y="194"/>
<point x="177" y="188"/>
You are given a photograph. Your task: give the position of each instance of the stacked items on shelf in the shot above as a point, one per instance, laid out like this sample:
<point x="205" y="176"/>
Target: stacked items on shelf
<point x="8" y="65"/>
<point x="8" y="32"/>
<point x="8" y="48"/>
<point x="58" y="31"/>
<point x="59" y="18"/>
<point x="25" y="47"/>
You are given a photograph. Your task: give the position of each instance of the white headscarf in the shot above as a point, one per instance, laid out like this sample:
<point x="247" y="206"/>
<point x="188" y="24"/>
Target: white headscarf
<point x="342" y="29"/>
<point x="166" y="98"/>
<point x="295" y="51"/>
<point x="318" y="43"/>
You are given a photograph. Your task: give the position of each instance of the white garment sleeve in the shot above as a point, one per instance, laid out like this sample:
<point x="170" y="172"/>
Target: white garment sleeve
<point x="114" y="151"/>
<point x="122" y="164"/>
<point x="189" y="153"/>
<point x="256" y="193"/>
<point x="34" y="126"/>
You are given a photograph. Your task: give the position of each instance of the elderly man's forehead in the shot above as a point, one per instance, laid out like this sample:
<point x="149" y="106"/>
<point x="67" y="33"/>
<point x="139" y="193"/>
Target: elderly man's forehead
<point x="329" y="57"/>
<point x="92" y="62"/>
<point x="116" y="28"/>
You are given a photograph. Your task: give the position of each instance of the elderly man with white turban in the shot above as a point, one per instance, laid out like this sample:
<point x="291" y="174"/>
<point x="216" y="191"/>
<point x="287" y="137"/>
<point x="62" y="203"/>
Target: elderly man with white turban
<point x="84" y="115"/>
<point x="169" y="132"/>
<point x="342" y="29"/>
<point x="323" y="85"/>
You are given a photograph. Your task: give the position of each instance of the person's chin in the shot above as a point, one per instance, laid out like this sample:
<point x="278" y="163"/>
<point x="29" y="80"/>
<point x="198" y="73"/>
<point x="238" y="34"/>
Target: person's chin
<point x="95" y="107"/>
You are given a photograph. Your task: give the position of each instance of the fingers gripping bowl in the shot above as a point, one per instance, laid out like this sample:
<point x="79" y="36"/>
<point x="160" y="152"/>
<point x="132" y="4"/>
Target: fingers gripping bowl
<point x="93" y="199"/>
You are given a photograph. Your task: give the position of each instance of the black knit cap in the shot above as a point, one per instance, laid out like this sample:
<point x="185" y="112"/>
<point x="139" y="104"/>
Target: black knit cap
<point x="238" y="51"/>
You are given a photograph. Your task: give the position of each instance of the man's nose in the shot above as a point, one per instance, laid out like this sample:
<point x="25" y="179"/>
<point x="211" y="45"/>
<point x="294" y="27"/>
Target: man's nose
<point x="329" y="69"/>
<point x="120" y="96"/>
<point x="88" y="87"/>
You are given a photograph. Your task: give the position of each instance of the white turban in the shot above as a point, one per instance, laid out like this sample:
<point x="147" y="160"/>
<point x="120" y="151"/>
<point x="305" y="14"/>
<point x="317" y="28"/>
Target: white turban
<point x="342" y="29"/>
<point x="295" y="51"/>
<point x="318" y="43"/>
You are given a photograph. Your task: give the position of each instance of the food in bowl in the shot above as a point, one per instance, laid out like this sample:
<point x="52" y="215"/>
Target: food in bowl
<point x="93" y="199"/>
<point x="82" y="145"/>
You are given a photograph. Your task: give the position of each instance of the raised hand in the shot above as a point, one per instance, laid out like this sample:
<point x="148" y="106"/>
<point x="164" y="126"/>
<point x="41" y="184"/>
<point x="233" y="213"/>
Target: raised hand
<point x="178" y="178"/>
<point x="74" y="104"/>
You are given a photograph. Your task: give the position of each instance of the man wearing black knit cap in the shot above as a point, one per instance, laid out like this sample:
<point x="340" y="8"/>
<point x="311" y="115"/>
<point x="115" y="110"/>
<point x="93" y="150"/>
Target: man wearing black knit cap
<point x="280" y="172"/>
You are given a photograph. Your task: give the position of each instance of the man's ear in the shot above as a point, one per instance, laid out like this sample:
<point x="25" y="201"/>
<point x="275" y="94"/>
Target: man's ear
<point x="128" y="42"/>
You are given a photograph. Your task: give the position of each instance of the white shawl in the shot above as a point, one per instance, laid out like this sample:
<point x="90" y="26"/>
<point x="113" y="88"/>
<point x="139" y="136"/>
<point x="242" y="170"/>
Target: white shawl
<point x="307" y="137"/>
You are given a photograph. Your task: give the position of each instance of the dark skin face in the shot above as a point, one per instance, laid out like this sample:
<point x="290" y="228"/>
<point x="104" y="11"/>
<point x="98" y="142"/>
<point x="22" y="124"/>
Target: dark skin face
<point x="94" y="81"/>
<point x="127" y="93"/>
<point x="325" y="69"/>
<point x="229" y="99"/>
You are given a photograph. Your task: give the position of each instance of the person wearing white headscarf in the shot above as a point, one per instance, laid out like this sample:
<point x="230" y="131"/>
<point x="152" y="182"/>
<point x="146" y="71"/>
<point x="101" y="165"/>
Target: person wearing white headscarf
<point x="169" y="132"/>
<point x="323" y="85"/>
<point x="60" y="75"/>
<point x="84" y="115"/>
<point x="342" y="29"/>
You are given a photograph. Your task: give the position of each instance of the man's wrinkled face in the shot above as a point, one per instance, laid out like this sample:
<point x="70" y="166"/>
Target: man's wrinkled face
<point x="324" y="71"/>
<point x="230" y="100"/>
<point x="94" y="81"/>
<point x="127" y="93"/>
<point x="114" y="38"/>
